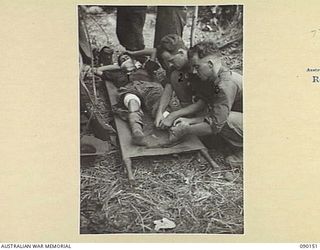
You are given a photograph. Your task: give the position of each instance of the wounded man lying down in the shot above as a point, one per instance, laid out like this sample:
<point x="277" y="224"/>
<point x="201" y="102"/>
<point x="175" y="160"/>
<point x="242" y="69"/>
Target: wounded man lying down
<point x="137" y="91"/>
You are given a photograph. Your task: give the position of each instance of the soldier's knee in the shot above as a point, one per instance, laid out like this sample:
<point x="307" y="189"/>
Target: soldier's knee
<point x="232" y="131"/>
<point x="235" y="120"/>
<point x="132" y="102"/>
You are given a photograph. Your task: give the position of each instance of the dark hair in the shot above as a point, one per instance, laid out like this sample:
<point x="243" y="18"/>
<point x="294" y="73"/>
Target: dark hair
<point x="203" y="49"/>
<point x="122" y="54"/>
<point x="170" y="43"/>
<point x="105" y="56"/>
<point x="106" y="47"/>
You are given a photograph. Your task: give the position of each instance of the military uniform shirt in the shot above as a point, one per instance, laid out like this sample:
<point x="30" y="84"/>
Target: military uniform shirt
<point x="226" y="96"/>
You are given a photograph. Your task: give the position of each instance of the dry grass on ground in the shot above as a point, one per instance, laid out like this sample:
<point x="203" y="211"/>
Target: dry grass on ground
<point x="182" y="188"/>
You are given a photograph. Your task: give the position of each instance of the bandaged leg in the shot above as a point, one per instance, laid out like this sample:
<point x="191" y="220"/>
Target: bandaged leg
<point x="132" y="102"/>
<point x="136" y="125"/>
<point x="165" y="114"/>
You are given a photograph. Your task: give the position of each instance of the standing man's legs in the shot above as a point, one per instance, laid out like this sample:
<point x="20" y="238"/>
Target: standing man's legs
<point x="130" y="22"/>
<point x="170" y="20"/>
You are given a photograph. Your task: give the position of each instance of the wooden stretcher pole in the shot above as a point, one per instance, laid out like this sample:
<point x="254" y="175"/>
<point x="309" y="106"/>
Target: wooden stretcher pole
<point x="128" y="164"/>
<point x="206" y="155"/>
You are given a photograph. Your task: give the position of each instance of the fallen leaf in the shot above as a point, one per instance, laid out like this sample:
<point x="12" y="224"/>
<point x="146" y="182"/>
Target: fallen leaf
<point x="164" y="224"/>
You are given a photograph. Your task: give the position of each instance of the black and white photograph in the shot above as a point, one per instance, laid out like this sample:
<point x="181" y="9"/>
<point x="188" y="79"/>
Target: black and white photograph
<point x="161" y="119"/>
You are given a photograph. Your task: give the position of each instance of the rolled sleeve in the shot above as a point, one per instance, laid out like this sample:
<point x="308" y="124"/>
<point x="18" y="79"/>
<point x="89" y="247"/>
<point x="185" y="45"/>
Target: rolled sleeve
<point x="221" y="106"/>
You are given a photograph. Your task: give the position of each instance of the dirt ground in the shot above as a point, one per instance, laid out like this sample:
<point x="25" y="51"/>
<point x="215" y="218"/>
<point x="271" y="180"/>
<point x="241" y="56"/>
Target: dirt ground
<point x="181" y="188"/>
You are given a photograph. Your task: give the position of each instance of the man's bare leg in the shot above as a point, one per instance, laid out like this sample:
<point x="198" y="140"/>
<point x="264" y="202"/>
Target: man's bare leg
<point x="203" y="129"/>
<point x="199" y="129"/>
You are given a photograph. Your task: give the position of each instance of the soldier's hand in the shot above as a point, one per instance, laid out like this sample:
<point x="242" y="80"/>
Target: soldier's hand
<point x="158" y="119"/>
<point x="95" y="71"/>
<point x="167" y="122"/>
<point x="182" y="121"/>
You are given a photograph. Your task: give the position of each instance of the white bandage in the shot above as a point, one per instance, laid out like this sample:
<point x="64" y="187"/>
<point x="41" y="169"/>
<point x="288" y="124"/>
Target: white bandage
<point x="165" y="114"/>
<point x="129" y="97"/>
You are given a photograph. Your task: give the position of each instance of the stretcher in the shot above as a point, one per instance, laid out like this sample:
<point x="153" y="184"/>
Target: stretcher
<point x="129" y="150"/>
